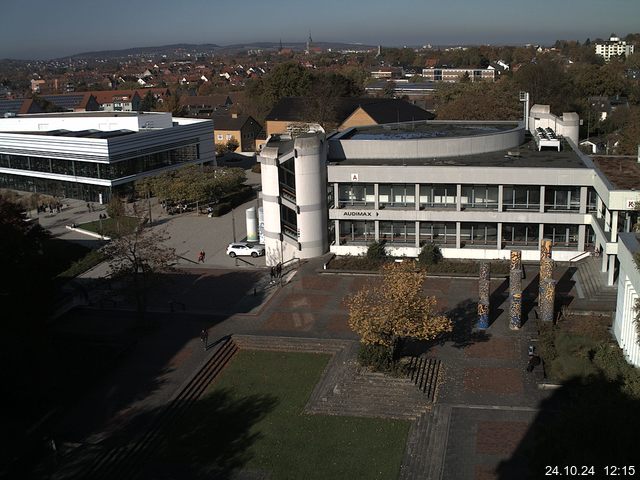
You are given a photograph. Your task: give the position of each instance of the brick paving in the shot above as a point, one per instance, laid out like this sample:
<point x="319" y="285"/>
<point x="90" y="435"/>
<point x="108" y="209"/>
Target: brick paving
<point x="485" y="403"/>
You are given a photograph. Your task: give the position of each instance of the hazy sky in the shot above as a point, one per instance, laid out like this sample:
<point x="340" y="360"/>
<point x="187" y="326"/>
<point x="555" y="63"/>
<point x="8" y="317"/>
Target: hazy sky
<point x="54" y="28"/>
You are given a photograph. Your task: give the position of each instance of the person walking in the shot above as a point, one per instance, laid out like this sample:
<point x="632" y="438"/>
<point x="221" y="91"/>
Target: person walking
<point x="272" y="274"/>
<point x="204" y="338"/>
<point x="279" y="270"/>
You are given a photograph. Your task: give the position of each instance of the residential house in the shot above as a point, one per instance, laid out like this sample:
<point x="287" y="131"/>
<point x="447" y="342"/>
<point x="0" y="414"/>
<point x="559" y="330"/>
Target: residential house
<point x="242" y="128"/>
<point x="295" y="113"/>
<point x="614" y="47"/>
<point x="205" y="105"/>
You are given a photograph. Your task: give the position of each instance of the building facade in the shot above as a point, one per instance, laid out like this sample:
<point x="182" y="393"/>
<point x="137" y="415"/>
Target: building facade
<point x="614" y="47"/>
<point x="476" y="189"/>
<point x="452" y="75"/>
<point x="624" y="325"/>
<point x="91" y="155"/>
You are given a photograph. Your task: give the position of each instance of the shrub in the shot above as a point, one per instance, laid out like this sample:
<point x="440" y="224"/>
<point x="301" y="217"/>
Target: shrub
<point x="430" y="255"/>
<point x="377" y="251"/>
<point x="90" y="260"/>
<point x="376" y="357"/>
<point x="256" y="168"/>
<point x="115" y="207"/>
<point x="220" y="209"/>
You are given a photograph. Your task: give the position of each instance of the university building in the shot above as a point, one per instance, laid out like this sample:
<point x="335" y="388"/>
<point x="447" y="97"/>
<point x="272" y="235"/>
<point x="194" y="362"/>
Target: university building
<point x="476" y="189"/>
<point x="91" y="155"/>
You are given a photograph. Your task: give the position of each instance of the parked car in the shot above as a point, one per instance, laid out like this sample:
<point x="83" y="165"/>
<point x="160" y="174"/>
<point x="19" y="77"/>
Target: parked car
<point x="244" y="249"/>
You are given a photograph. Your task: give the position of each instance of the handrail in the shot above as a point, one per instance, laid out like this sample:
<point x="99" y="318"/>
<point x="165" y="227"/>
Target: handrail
<point x="578" y="257"/>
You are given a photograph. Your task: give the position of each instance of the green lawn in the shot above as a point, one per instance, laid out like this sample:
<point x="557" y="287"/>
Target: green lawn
<point x="111" y="227"/>
<point x="252" y="418"/>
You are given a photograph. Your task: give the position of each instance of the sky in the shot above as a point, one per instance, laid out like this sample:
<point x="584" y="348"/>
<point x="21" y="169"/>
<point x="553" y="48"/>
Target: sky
<point x="43" y="29"/>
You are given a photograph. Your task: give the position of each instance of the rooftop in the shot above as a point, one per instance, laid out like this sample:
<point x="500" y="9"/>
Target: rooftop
<point x="525" y="156"/>
<point x="622" y="172"/>
<point x="80" y="134"/>
<point x="412" y="130"/>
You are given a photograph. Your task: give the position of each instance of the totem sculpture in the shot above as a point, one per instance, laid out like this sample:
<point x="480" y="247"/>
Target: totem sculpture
<point x="515" y="295"/>
<point x="515" y="311"/>
<point x="547" y="300"/>
<point x="484" y="287"/>
<point x="545" y="248"/>
<point x="516" y="260"/>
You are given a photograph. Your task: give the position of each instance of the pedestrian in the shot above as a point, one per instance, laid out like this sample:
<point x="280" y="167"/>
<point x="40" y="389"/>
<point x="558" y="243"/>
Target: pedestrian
<point x="279" y="270"/>
<point x="272" y="273"/>
<point x="202" y="255"/>
<point x="204" y="338"/>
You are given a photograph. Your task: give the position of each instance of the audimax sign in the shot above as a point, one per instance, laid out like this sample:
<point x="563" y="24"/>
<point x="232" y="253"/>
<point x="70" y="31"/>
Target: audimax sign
<point x="359" y="214"/>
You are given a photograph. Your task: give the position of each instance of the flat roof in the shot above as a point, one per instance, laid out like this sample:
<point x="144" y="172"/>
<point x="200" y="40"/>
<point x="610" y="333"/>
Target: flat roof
<point x="524" y="156"/>
<point x="79" y="134"/>
<point x="428" y="129"/>
<point x="622" y="172"/>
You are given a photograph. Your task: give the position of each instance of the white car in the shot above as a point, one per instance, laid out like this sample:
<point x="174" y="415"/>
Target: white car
<point x="245" y="249"/>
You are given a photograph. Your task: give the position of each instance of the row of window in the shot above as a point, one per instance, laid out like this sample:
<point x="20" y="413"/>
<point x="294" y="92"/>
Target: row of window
<point x="514" y="197"/>
<point x="109" y="171"/>
<point x="56" y="188"/>
<point x="443" y="233"/>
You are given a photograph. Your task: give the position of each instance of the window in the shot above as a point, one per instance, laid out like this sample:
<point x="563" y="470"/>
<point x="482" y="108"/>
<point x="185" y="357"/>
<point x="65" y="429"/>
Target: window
<point x="356" y="194"/>
<point x="229" y="136"/>
<point x="396" y="195"/>
<point x="521" y="197"/>
<point x="478" y="233"/>
<point x="520" y="234"/>
<point x="219" y="136"/>
<point x="439" y="233"/>
<point x="562" y="235"/>
<point x="562" y="198"/>
<point x="357" y="231"/>
<point x="398" y="232"/>
<point x="480" y="196"/>
<point x="438" y="196"/>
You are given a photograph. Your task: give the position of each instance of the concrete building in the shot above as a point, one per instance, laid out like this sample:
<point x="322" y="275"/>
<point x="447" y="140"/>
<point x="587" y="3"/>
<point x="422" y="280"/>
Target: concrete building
<point x="614" y="47"/>
<point x="91" y="155"/>
<point x="452" y="75"/>
<point x="624" y="327"/>
<point x="477" y="189"/>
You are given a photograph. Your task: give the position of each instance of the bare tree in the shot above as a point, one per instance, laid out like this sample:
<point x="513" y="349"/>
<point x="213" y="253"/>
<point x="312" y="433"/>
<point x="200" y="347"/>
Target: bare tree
<point x="138" y="260"/>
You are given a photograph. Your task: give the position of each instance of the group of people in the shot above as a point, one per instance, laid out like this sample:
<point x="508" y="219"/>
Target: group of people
<point x="50" y="207"/>
<point x="276" y="272"/>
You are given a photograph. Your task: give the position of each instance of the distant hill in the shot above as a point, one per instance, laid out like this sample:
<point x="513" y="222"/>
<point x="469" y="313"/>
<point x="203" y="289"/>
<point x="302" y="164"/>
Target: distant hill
<point x="211" y="48"/>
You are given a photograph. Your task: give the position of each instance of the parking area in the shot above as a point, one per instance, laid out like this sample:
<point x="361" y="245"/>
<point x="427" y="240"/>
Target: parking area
<point x="190" y="234"/>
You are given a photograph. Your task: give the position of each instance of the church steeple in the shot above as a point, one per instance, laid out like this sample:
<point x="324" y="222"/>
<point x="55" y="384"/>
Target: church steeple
<point x="309" y="40"/>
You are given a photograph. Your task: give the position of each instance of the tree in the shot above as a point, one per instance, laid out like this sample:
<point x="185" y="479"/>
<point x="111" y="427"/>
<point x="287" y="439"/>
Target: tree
<point x="395" y="309"/>
<point x="389" y="89"/>
<point x="137" y="260"/>
<point x="232" y="144"/>
<point x="149" y="103"/>
<point x="172" y="104"/>
<point x="430" y="254"/>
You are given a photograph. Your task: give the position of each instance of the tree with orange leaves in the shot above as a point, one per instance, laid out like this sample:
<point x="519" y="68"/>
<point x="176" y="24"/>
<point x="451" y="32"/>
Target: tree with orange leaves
<point x="396" y="308"/>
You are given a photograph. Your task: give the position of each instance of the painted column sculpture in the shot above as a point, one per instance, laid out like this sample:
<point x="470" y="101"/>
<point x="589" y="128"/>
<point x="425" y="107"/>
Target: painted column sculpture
<point x="484" y="286"/>
<point x="547" y="300"/>
<point x="515" y="296"/>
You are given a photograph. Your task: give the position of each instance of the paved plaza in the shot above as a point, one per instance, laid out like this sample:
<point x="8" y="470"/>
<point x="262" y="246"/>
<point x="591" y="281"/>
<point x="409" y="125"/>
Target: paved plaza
<point x="484" y="406"/>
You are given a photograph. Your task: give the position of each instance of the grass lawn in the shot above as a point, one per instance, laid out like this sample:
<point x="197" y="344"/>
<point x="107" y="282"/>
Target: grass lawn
<point x="252" y="418"/>
<point x="110" y="227"/>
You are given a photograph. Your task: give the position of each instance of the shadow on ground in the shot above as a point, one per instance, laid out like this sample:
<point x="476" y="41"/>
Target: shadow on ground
<point x="580" y="424"/>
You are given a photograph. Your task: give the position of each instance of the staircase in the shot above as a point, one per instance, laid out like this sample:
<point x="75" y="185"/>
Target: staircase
<point x="593" y="290"/>
<point x="423" y="372"/>
<point x="126" y="460"/>
<point x="426" y="445"/>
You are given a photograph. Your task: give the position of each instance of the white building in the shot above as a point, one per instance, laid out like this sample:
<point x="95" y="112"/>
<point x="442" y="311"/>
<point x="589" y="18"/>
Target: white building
<point x="453" y="75"/>
<point x="89" y="155"/>
<point x="624" y="326"/>
<point x="477" y="189"/>
<point x="614" y="47"/>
